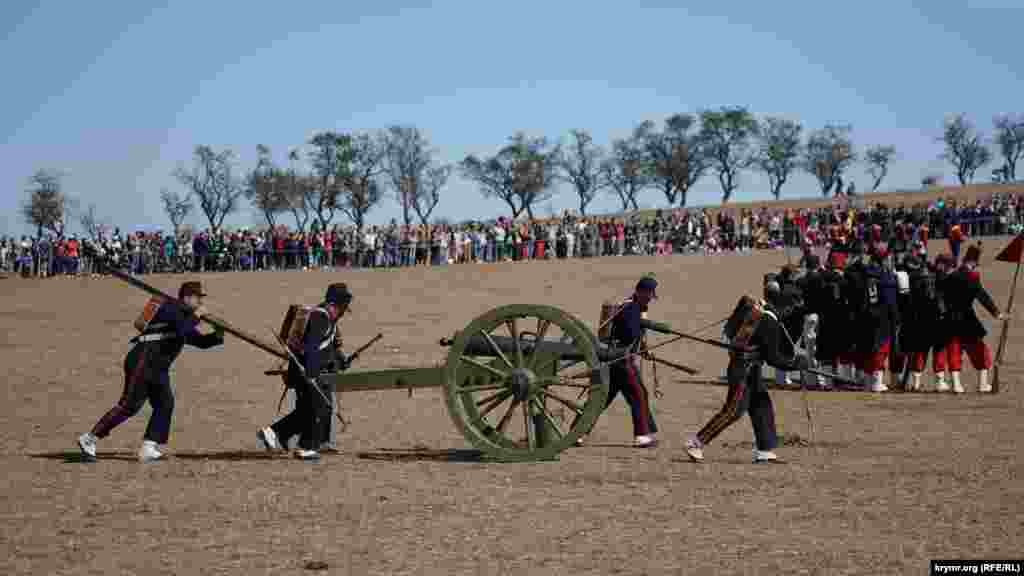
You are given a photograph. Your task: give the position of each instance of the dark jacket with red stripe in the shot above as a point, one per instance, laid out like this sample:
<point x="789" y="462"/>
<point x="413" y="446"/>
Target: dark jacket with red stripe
<point x="960" y="289"/>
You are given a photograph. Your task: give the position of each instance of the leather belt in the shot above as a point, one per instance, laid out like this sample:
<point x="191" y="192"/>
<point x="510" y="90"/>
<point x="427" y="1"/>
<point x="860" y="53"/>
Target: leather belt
<point x="156" y="337"/>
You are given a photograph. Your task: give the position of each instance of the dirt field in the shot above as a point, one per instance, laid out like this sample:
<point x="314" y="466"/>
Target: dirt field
<point x="887" y="483"/>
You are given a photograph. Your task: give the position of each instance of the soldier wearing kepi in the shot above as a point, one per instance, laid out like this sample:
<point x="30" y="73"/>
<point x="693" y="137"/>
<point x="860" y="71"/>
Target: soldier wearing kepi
<point x="310" y="419"/>
<point x="757" y="334"/>
<point x="147" y="370"/>
<point x="627" y="335"/>
<point x="967" y="334"/>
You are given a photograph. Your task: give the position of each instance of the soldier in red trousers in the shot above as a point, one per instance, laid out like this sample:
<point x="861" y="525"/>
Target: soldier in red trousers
<point x="967" y="334"/>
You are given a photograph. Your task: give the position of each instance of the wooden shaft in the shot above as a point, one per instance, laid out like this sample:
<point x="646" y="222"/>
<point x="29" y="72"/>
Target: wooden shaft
<point x="1006" y="323"/>
<point x="209" y="319"/>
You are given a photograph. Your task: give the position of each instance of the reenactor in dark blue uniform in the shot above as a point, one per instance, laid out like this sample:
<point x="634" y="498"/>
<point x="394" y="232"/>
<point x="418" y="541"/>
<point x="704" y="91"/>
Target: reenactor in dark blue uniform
<point x="147" y="371"/>
<point x="310" y="419"/>
<point x="627" y="335"/>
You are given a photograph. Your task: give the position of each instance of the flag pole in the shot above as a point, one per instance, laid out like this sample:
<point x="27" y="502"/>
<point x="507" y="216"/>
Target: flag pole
<point x="1001" y="349"/>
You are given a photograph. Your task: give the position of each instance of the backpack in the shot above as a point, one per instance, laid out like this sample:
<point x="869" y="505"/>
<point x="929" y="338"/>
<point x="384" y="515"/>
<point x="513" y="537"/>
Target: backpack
<point x="142" y="322"/>
<point x="293" y="328"/>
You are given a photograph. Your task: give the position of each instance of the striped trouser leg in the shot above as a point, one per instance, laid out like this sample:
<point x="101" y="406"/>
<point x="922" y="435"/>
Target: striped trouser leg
<point x="132" y="398"/>
<point x="736" y="402"/>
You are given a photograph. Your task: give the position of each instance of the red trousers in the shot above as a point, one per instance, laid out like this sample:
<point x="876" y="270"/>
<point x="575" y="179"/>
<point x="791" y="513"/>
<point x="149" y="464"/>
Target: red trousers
<point x="875" y="361"/>
<point x="977" y="351"/>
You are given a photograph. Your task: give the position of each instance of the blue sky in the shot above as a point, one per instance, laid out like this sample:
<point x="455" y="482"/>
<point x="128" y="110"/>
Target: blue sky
<point x="116" y="94"/>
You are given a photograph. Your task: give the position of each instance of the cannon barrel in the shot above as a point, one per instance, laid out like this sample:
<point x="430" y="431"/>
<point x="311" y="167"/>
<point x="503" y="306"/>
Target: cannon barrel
<point x="479" y="346"/>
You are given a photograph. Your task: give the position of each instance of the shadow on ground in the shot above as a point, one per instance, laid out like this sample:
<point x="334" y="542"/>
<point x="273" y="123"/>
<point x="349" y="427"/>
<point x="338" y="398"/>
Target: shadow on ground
<point x="70" y="456"/>
<point x="424" y="455"/>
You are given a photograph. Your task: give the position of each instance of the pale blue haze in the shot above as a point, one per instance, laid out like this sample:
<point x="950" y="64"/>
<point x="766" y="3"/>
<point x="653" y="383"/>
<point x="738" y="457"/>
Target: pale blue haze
<point x="116" y="94"/>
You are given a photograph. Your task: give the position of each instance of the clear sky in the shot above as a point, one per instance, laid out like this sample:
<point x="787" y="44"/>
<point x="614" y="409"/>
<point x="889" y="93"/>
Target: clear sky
<point x="117" y="93"/>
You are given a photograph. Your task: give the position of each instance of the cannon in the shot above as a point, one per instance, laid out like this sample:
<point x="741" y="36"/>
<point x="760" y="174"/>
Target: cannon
<point x="521" y="382"/>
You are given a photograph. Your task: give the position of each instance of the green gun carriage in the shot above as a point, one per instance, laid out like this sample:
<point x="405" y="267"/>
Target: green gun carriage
<point x="522" y="382"/>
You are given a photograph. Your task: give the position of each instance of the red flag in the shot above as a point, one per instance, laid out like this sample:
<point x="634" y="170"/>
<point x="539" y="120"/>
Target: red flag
<point x="1013" y="252"/>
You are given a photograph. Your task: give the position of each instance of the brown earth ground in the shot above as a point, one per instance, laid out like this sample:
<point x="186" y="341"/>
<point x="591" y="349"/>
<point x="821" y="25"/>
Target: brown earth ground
<point x="886" y="482"/>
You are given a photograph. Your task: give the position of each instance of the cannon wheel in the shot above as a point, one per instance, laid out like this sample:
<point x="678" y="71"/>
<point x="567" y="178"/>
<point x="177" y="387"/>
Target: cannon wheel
<point x="503" y="414"/>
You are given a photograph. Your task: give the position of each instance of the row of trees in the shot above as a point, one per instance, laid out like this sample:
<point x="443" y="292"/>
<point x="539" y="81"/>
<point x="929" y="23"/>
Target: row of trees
<point x="351" y="174"/>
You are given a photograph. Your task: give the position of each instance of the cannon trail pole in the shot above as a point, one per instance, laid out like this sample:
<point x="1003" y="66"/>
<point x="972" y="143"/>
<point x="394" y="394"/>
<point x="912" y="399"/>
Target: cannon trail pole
<point x="1012" y="253"/>
<point x="209" y="319"/>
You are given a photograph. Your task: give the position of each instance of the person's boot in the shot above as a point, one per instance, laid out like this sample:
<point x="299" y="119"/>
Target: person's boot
<point x="878" y="382"/>
<point x="694" y="448"/>
<point x="958" y="388"/>
<point x="87" y="444"/>
<point x="984" y="386"/>
<point x="268" y="438"/>
<point x="915" y="382"/>
<point x="148" y="452"/>
<point x="940" y="382"/>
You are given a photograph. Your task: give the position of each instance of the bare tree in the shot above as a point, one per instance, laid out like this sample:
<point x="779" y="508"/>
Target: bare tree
<point x="827" y="154"/>
<point x="1010" y="138"/>
<point x="964" y="147"/>
<point x="728" y="134"/>
<point x="329" y="158"/>
<point x="675" y="157"/>
<point x="361" y="164"/>
<point x="520" y="174"/>
<point x="779" y="149"/>
<point x="579" y="165"/>
<point x="878" y="159"/>
<point x="414" y="172"/>
<point x="91" y="224"/>
<point x="177" y="207"/>
<point x="299" y="192"/>
<point x="626" y="171"/>
<point x="265" y="187"/>
<point x="213" y="182"/>
<point x="47" y="207"/>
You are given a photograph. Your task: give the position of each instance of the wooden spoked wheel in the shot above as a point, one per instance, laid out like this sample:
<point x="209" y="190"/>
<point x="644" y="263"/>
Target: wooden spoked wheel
<point x="524" y="382"/>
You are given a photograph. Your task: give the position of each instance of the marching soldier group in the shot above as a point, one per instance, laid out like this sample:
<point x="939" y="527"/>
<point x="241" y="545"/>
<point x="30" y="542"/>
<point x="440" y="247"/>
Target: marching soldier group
<point x="873" y="309"/>
<point x="866" y="309"/>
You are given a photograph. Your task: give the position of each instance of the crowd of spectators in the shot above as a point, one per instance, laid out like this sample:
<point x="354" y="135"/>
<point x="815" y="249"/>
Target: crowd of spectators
<point x="668" y="231"/>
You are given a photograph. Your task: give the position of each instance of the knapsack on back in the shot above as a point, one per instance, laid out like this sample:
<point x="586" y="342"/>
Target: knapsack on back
<point x="293" y="328"/>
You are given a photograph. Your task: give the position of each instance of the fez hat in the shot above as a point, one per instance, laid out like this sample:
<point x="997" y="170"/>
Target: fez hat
<point x="338" y="294"/>
<point x="192" y="288"/>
